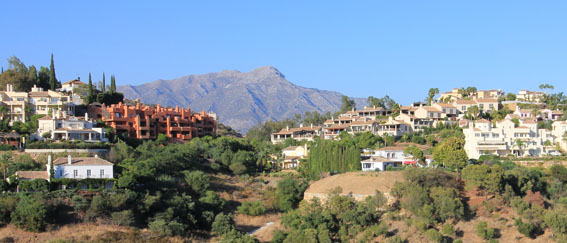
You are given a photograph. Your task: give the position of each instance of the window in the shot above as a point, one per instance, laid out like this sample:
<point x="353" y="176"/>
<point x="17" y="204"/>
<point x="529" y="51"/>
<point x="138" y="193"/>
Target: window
<point x="61" y="173"/>
<point x="88" y="173"/>
<point x="75" y="173"/>
<point x="367" y="165"/>
<point x="101" y="173"/>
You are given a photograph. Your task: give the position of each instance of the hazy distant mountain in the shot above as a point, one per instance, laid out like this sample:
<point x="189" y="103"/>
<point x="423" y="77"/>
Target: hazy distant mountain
<point x="241" y="100"/>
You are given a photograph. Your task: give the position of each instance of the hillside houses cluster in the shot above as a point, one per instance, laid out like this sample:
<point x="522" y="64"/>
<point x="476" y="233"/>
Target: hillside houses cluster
<point x="482" y="136"/>
<point x="505" y="137"/>
<point x="38" y="101"/>
<point x="379" y="121"/>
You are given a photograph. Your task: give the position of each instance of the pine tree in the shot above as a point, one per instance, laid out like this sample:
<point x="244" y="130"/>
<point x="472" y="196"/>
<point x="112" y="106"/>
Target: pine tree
<point x="90" y="90"/>
<point x="112" y="84"/>
<point x="52" y="78"/>
<point x="103" y="89"/>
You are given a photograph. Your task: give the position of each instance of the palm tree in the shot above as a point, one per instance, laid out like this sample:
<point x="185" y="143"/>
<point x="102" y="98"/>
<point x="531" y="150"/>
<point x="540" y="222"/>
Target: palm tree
<point x="473" y="112"/>
<point x="5" y="162"/>
<point x="520" y="144"/>
<point x="3" y="111"/>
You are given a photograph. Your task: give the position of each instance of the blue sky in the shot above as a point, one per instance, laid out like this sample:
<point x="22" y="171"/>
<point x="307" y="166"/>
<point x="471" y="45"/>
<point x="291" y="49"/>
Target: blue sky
<point x="359" y="48"/>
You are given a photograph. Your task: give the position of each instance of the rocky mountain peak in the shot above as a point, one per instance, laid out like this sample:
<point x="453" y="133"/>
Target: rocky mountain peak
<point x="241" y="100"/>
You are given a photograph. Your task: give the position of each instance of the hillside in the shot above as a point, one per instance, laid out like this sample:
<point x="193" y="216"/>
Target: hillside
<point x="241" y="100"/>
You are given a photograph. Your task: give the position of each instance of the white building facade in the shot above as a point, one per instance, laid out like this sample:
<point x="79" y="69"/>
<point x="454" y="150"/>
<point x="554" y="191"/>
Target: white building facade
<point x="82" y="168"/>
<point x="504" y="138"/>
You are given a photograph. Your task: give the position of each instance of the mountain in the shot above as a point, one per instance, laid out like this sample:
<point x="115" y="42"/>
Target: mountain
<point x="241" y="100"/>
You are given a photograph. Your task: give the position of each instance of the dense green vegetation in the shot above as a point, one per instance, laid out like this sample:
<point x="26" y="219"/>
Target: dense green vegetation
<point x="23" y="77"/>
<point x="333" y="156"/>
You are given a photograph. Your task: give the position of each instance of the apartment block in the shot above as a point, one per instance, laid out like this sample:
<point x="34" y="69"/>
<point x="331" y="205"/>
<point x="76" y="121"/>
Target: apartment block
<point x="146" y="122"/>
<point x="504" y="138"/>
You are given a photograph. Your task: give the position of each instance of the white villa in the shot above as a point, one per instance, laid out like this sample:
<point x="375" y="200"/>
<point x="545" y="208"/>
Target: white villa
<point x="62" y="127"/>
<point x="293" y="155"/>
<point x="70" y="85"/>
<point x="82" y="168"/>
<point x="37" y="101"/>
<point x="393" y="156"/>
<point x="504" y="138"/>
<point x="301" y="133"/>
<point x="73" y="168"/>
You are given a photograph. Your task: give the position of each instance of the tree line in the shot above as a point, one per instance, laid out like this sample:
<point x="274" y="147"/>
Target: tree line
<point x="23" y="77"/>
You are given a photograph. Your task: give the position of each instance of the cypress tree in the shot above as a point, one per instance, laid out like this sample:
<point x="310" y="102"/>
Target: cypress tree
<point x="103" y="89"/>
<point x="90" y="90"/>
<point x="112" y="84"/>
<point x="52" y="78"/>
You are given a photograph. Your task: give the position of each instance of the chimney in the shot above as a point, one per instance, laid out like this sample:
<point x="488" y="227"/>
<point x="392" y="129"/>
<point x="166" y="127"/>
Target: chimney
<point x="287" y="128"/>
<point x="311" y="125"/>
<point x="49" y="166"/>
<point x="87" y="116"/>
<point x="300" y="125"/>
<point x="96" y="156"/>
<point x="69" y="161"/>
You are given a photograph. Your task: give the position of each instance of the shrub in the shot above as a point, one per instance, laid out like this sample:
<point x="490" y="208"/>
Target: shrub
<point x="123" y="218"/>
<point x="526" y="229"/>
<point x="238" y="168"/>
<point x="36" y="185"/>
<point x="433" y="235"/>
<point x="223" y="224"/>
<point x="420" y="224"/>
<point x="279" y="236"/>
<point x="235" y="236"/>
<point x="395" y="239"/>
<point x="7" y="147"/>
<point x="483" y="231"/>
<point x="288" y="193"/>
<point x="46" y="135"/>
<point x="30" y="214"/>
<point x="197" y="181"/>
<point x="97" y="209"/>
<point x="252" y="208"/>
<point x="7" y="206"/>
<point x="169" y="228"/>
<point x="557" y="221"/>
<point x="80" y="204"/>
<point x="448" y="229"/>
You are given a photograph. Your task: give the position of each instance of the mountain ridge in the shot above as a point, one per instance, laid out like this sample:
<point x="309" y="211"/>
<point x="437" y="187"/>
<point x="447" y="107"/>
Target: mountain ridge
<point x="240" y="99"/>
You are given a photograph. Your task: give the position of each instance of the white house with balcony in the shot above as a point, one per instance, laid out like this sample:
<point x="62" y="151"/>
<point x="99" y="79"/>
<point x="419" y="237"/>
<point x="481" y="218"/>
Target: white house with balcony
<point x="43" y="101"/>
<point x="301" y="133"/>
<point x="293" y="156"/>
<point x="503" y="138"/>
<point x="71" y="85"/>
<point x="62" y="127"/>
<point x="15" y="102"/>
<point x="394" y="156"/>
<point x="393" y="128"/>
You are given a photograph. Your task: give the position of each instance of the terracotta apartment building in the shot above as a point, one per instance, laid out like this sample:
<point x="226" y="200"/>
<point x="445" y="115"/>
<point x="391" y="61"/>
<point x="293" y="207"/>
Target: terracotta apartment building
<point x="146" y="122"/>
